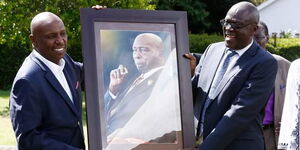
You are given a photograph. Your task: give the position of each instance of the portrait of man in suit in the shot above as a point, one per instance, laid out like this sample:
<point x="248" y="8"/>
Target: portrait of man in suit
<point x="45" y="100"/>
<point x="231" y="85"/>
<point x="130" y="102"/>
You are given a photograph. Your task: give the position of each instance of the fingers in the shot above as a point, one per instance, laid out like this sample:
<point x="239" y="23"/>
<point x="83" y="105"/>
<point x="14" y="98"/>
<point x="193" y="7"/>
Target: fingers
<point x="99" y="7"/>
<point x="123" y="70"/>
<point x="189" y="56"/>
<point x="119" y="73"/>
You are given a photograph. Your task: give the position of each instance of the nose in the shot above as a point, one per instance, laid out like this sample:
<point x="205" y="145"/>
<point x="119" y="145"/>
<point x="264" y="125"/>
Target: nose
<point x="136" y="54"/>
<point x="59" y="40"/>
<point x="228" y="27"/>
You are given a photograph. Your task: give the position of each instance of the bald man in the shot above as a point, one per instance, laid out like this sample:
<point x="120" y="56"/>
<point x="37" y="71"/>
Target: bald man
<point x="121" y="105"/>
<point x="231" y="85"/>
<point x="45" y="100"/>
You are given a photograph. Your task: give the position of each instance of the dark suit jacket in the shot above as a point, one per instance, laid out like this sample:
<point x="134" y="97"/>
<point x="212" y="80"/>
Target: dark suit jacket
<point x="233" y="117"/>
<point x="121" y="109"/>
<point x="42" y="114"/>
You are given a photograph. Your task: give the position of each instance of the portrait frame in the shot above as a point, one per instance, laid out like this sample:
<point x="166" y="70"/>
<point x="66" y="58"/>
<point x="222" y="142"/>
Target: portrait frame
<point x="94" y="71"/>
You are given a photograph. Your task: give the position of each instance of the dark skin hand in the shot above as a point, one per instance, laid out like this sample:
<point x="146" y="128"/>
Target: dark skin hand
<point x="99" y="7"/>
<point x="193" y="62"/>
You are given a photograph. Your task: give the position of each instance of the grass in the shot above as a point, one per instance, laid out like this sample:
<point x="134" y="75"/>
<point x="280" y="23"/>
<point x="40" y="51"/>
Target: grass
<point x="6" y="132"/>
<point x="7" y="136"/>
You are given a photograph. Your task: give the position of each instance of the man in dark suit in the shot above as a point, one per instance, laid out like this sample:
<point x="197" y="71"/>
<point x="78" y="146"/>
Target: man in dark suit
<point x="122" y="101"/>
<point x="231" y="85"/>
<point x="45" y="100"/>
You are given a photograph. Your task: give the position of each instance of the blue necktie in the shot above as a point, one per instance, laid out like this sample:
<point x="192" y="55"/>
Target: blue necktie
<point x="221" y="71"/>
<point x="216" y="81"/>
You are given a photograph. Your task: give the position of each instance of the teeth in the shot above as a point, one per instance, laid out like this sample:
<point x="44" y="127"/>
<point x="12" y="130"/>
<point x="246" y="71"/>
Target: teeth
<point x="59" y="49"/>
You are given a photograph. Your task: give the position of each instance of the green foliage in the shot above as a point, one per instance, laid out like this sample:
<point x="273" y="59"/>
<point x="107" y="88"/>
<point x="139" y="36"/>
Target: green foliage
<point x="257" y="2"/>
<point x="217" y="10"/>
<point x="196" y="12"/>
<point x="199" y="42"/>
<point x="4" y="109"/>
<point x="15" y="21"/>
<point x="288" y="48"/>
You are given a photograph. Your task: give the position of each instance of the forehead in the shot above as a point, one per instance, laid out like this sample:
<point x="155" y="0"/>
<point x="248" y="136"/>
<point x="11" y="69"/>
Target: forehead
<point x="144" y="41"/>
<point x="237" y="15"/>
<point x="48" y="25"/>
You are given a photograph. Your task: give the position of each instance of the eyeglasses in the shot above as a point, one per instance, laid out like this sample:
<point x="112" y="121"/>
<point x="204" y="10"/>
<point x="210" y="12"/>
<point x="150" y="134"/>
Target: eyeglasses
<point x="233" y="25"/>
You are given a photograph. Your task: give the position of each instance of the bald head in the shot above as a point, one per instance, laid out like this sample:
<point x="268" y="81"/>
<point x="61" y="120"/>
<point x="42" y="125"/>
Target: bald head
<point x="151" y="39"/>
<point x="240" y="25"/>
<point x="148" y="52"/>
<point x="43" y="19"/>
<point x="245" y="10"/>
<point x="48" y="36"/>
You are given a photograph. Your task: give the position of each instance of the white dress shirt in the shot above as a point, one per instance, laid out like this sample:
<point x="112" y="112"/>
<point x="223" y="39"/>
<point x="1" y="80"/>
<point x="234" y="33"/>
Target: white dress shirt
<point x="57" y="70"/>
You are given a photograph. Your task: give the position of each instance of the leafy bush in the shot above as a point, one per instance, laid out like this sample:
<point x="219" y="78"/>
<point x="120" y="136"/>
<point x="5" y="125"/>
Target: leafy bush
<point x="15" y="21"/>
<point x="199" y="42"/>
<point x="288" y="48"/>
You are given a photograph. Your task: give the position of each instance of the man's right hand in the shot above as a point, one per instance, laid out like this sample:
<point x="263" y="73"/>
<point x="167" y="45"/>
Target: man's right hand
<point x="98" y="7"/>
<point x="117" y="77"/>
<point x="193" y="62"/>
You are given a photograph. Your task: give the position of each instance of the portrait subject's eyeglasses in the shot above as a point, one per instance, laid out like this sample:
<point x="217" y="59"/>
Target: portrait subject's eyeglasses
<point x="233" y="25"/>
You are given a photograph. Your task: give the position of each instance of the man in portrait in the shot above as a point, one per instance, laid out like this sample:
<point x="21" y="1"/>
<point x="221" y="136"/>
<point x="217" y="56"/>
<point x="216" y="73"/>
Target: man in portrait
<point x="122" y="104"/>
<point x="126" y="105"/>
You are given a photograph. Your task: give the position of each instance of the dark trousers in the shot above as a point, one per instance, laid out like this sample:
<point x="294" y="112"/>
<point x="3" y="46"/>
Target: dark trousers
<point x="269" y="136"/>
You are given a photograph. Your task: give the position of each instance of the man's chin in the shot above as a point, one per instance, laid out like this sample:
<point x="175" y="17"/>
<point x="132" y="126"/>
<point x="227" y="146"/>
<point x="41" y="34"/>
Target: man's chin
<point x="141" y="69"/>
<point x="229" y="44"/>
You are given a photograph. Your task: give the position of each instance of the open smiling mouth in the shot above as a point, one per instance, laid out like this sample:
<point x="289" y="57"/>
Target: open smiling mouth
<point x="59" y="49"/>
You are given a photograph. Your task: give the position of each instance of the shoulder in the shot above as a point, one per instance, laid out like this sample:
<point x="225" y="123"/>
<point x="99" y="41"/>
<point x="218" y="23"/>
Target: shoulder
<point x="29" y="69"/>
<point x="217" y="45"/>
<point x="296" y="63"/>
<point x="281" y="60"/>
<point x="212" y="48"/>
<point x="70" y="61"/>
<point x="264" y="55"/>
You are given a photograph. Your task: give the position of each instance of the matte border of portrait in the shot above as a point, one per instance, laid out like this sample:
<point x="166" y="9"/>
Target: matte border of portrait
<point x="94" y="20"/>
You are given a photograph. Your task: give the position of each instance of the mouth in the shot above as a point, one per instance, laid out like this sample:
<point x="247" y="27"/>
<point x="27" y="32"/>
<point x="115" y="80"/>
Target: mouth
<point x="59" y="49"/>
<point x="230" y="36"/>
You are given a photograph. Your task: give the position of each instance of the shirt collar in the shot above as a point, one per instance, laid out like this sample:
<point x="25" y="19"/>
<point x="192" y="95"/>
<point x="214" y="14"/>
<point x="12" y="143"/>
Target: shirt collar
<point x="52" y="66"/>
<point x="152" y="71"/>
<point x="240" y="52"/>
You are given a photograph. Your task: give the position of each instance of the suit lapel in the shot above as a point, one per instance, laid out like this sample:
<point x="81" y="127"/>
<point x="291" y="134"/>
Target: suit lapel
<point x="237" y="67"/>
<point x="213" y="65"/>
<point x="56" y="85"/>
<point x="72" y="86"/>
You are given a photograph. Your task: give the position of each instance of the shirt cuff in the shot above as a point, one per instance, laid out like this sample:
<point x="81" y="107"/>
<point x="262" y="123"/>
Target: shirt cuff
<point x="112" y="95"/>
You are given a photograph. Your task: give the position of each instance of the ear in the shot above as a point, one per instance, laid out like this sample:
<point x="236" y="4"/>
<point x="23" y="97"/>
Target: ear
<point x="255" y="28"/>
<point x="31" y="37"/>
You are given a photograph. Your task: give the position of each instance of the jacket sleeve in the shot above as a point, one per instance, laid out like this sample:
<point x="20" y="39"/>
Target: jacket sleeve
<point x="27" y="117"/>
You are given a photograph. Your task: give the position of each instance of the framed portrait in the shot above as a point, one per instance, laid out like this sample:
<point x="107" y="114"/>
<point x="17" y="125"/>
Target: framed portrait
<point x="137" y="82"/>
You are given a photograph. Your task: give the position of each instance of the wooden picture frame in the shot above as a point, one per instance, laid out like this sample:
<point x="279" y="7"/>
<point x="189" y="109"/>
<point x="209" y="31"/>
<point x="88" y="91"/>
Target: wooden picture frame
<point x="108" y="39"/>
